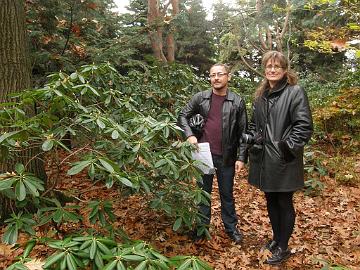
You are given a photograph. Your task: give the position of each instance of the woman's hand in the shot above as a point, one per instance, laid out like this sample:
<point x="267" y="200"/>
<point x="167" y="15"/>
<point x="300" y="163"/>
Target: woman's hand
<point x="239" y="165"/>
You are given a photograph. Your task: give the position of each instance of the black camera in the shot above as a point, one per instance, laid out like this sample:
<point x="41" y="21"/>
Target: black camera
<point x="252" y="138"/>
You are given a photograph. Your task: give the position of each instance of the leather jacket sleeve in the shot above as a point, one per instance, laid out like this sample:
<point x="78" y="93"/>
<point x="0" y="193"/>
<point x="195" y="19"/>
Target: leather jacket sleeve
<point x="190" y="109"/>
<point x="301" y="119"/>
<point x="242" y="124"/>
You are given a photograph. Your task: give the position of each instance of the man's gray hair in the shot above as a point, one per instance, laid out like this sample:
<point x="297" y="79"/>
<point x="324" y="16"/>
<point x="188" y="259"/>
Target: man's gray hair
<point x="227" y="68"/>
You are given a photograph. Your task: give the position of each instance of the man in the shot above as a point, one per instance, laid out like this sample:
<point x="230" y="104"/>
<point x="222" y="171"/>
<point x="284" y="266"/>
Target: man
<point x="225" y="122"/>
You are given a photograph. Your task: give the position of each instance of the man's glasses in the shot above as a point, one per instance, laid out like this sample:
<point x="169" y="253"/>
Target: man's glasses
<point x="276" y="68"/>
<point x="219" y="74"/>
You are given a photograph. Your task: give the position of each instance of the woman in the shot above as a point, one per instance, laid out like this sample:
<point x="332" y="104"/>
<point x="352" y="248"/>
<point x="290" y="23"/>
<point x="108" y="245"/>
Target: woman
<point x="281" y="125"/>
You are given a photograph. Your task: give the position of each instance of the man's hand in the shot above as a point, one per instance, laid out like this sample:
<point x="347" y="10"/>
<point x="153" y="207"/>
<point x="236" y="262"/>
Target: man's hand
<point x="239" y="165"/>
<point x="192" y="139"/>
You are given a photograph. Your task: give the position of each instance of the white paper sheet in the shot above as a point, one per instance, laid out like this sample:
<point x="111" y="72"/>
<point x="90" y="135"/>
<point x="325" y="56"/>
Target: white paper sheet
<point x="203" y="155"/>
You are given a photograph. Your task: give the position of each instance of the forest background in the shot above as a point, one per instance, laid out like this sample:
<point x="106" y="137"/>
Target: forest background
<point x="94" y="171"/>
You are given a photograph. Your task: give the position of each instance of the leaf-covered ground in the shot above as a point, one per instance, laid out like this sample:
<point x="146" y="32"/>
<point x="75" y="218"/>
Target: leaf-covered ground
<point x="327" y="227"/>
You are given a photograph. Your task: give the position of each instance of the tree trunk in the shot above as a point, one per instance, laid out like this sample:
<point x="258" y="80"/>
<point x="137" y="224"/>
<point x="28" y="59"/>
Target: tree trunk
<point x="15" y="76"/>
<point x="156" y="30"/>
<point x="277" y="34"/>
<point x="170" y="40"/>
<point x="14" y="64"/>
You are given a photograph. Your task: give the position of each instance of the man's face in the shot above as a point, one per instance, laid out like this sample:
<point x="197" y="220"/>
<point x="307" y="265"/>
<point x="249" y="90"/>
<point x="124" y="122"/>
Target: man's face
<point x="219" y="78"/>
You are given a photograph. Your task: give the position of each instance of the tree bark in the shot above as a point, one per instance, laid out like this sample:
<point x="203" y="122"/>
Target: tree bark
<point x="14" y="64"/>
<point x="270" y="34"/>
<point x="171" y="46"/>
<point x="279" y="33"/>
<point x="156" y="30"/>
<point x="156" y="19"/>
<point x="15" y="76"/>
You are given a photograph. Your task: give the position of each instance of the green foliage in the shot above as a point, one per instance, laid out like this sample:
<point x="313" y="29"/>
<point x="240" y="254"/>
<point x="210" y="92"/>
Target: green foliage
<point x="345" y="166"/>
<point x="315" y="32"/>
<point x="76" y="252"/>
<point x="335" y="113"/>
<point x="17" y="222"/>
<point x="340" y="115"/>
<point x="67" y="34"/>
<point x="82" y="252"/>
<point x="244" y="87"/>
<point x="320" y="35"/>
<point x="102" y="212"/>
<point x="58" y="213"/>
<point x="315" y="170"/>
<point x="125" y="136"/>
<point x="318" y="89"/>
<point x="124" y="131"/>
<point x="220" y="25"/>
<point x="351" y="79"/>
<point x="21" y="260"/>
<point x="187" y="262"/>
<point x="334" y="23"/>
<point x="326" y="265"/>
<point x="238" y="34"/>
<point x="19" y="184"/>
<point x="194" y="41"/>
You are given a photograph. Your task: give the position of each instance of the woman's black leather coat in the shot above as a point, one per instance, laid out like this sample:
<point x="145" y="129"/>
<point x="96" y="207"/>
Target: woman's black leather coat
<point x="234" y="121"/>
<point x="283" y="117"/>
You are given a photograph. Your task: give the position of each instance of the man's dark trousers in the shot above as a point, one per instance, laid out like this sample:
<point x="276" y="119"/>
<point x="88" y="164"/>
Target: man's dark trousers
<point x="225" y="177"/>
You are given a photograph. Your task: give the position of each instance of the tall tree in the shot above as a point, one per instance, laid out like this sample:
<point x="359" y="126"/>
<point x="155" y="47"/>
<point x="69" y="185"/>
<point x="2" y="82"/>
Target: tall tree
<point x="133" y="26"/>
<point x="308" y="31"/>
<point x="14" y="77"/>
<point x="221" y="23"/>
<point x="158" y="16"/>
<point x="170" y="39"/>
<point x="323" y="32"/>
<point x="14" y="68"/>
<point x="195" y="44"/>
<point x="271" y="33"/>
<point x="258" y="26"/>
<point x="67" y="34"/>
<point x="155" y="21"/>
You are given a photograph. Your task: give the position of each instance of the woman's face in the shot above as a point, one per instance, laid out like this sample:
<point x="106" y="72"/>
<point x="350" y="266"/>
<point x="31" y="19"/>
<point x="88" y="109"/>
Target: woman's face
<point x="274" y="72"/>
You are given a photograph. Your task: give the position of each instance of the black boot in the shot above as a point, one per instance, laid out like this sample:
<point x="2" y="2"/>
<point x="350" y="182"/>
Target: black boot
<point x="236" y="236"/>
<point x="271" y="246"/>
<point x="279" y="255"/>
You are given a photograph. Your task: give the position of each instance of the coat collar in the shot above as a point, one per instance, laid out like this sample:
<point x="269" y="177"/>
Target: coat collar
<point x="229" y="95"/>
<point x="278" y="87"/>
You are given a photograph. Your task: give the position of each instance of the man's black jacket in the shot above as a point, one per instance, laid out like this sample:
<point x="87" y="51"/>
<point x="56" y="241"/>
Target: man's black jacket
<point x="234" y="122"/>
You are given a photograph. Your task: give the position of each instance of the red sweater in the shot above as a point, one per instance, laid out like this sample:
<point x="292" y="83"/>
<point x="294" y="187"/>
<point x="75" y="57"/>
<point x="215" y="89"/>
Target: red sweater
<point x="213" y="126"/>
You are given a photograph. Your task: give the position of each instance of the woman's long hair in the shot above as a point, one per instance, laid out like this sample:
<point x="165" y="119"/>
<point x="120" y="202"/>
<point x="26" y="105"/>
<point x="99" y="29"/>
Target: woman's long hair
<point x="292" y="78"/>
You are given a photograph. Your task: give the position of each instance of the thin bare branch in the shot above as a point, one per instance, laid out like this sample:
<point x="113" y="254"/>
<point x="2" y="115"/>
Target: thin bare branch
<point x="269" y="39"/>
<point x="245" y="62"/>
<point x="286" y="21"/>
<point x="262" y="41"/>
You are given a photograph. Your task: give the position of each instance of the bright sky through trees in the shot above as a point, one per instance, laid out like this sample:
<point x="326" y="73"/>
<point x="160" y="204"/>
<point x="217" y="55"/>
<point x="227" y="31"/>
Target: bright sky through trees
<point x="207" y="4"/>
